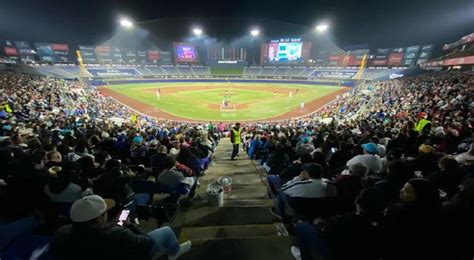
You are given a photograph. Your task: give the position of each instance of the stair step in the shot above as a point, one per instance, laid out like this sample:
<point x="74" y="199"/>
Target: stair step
<point x="196" y="234"/>
<point x="224" y="216"/>
<point x="228" y="202"/>
<point x="250" y="248"/>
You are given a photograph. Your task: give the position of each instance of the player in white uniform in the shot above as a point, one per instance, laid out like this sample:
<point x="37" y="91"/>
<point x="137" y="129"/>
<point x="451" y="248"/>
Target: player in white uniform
<point x="301" y="105"/>
<point x="158" y="94"/>
<point x="290" y="94"/>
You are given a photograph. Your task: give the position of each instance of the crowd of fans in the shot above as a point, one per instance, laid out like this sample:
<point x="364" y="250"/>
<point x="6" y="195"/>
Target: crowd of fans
<point x="394" y="181"/>
<point x="68" y="153"/>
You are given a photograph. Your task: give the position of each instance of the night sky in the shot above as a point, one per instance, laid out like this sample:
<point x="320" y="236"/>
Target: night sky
<point x="378" y="23"/>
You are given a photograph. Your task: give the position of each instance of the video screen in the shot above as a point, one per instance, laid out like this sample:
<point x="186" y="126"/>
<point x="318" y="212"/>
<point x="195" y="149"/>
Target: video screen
<point x="285" y="51"/>
<point x="186" y="53"/>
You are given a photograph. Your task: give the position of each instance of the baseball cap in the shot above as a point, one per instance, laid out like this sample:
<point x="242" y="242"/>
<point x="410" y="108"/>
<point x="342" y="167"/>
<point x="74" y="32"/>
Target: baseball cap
<point x="89" y="208"/>
<point x="370" y="148"/>
<point x="305" y="139"/>
<point x="424" y="148"/>
<point x="138" y="139"/>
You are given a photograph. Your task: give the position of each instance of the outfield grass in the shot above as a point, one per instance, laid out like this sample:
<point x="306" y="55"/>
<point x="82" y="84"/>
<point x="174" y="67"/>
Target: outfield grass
<point x="203" y="103"/>
<point x="227" y="71"/>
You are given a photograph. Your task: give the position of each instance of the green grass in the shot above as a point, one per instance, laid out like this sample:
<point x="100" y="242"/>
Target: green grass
<point x="194" y="104"/>
<point x="227" y="71"/>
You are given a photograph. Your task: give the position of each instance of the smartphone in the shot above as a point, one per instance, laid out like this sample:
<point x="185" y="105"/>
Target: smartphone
<point x="123" y="216"/>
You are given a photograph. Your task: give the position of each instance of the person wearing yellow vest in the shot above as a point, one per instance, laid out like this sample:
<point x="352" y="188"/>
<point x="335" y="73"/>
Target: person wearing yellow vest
<point x="424" y="122"/>
<point x="235" y="140"/>
<point x="6" y="107"/>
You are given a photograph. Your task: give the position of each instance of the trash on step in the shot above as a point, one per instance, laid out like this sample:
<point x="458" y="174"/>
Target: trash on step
<point x="226" y="183"/>
<point x="215" y="195"/>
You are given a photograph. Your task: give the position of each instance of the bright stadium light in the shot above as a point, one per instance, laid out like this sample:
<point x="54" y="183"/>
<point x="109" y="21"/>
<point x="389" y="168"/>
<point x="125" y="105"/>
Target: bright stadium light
<point x="126" y="23"/>
<point x="254" y="32"/>
<point x="197" y="31"/>
<point x="321" y="27"/>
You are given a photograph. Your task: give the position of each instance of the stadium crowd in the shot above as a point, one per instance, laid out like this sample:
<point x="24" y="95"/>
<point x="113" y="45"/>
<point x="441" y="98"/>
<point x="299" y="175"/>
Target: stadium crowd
<point x="69" y="153"/>
<point x="394" y="182"/>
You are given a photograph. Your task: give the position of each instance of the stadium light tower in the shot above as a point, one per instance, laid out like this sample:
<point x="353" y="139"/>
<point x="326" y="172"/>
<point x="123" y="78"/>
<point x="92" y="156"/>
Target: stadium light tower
<point x="254" y="32"/>
<point x="197" y="31"/>
<point x="126" y="23"/>
<point x="322" y="27"/>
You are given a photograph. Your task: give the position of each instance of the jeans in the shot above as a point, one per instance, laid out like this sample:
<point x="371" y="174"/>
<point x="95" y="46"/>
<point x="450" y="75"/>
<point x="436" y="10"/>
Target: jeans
<point x="281" y="202"/>
<point x="164" y="241"/>
<point x="204" y="163"/>
<point x="274" y="185"/>
<point x="12" y="230"/>
<point x="309" y="242"/>
<point x="235" y="150"/>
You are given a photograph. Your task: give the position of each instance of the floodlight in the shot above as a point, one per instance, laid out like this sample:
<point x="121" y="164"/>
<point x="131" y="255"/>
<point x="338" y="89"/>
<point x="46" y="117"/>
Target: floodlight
<point x="126" y="23"/>
<point x="197" y="31"/>
<point x="321" y="27"/>
<point x="254" y="32"/>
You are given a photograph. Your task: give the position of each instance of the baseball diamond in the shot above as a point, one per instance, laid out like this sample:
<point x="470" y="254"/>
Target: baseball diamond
<point x="202" y="101"/>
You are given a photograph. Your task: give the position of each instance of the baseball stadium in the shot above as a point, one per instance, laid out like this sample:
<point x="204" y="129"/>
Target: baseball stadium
<point x="260" y="130"/>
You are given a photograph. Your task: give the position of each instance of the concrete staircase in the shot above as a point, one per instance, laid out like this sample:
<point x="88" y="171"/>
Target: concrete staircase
<point x="243" y="228"/>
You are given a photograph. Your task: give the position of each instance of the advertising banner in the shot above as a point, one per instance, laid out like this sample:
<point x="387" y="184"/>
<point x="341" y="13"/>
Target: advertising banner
<point x="129" y="56"/>
<point x="103" y="72"/>
<point x="88" y="53"/>
<point x="45" y="52"/>
<point x="117" y="55"/>
<point x="141" y="57"/>
<point x="27" y="54"/>
<point x="61" y="51"/>
<point x="411" y="53"/>
<point x="333" y="57"/>
<point x="425" y="53"/>
<point x="380" y="62"/>
<point x="395" y="59"/>
<point x="153" y="56"/>
<point x="165" y="57"/>
<point x="9" y="50"/>
<point x="356" y="57"/>
<point x="103" y="53"/>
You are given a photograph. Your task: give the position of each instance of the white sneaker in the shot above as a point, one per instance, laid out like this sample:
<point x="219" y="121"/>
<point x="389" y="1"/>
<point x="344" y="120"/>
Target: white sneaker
<point x="183" y="248"/>
<point x="296" y="252"/>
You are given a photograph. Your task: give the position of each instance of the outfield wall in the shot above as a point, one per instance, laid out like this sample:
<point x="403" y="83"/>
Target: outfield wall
<point x="344" y="83"/>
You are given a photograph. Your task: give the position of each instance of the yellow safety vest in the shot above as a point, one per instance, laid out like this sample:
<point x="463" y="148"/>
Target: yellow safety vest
<point x="7" y="108"/>
<point x="421" y="124"/>
<point x="236" y="136"/>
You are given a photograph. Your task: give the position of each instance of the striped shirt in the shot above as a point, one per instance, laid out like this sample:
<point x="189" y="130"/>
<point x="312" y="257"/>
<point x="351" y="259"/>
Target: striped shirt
<point x="310" y="188"/>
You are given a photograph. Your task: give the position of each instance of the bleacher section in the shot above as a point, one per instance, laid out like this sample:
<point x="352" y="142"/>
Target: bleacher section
<point x="268" y="71"/>
<point x="171" y="70"/>
<point x="334" y="73"/>
<point x="252" y="71"/>
<point x="201" y="70"/>
<point x="379" y="74"/>
<point x="320" y="72"/>
<point x="155" y="70"/>
<point x="59" y="71"/>
<point x="184" y="70"/>
<point x="72" y="71"/>
<point x="281" y="71"/>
